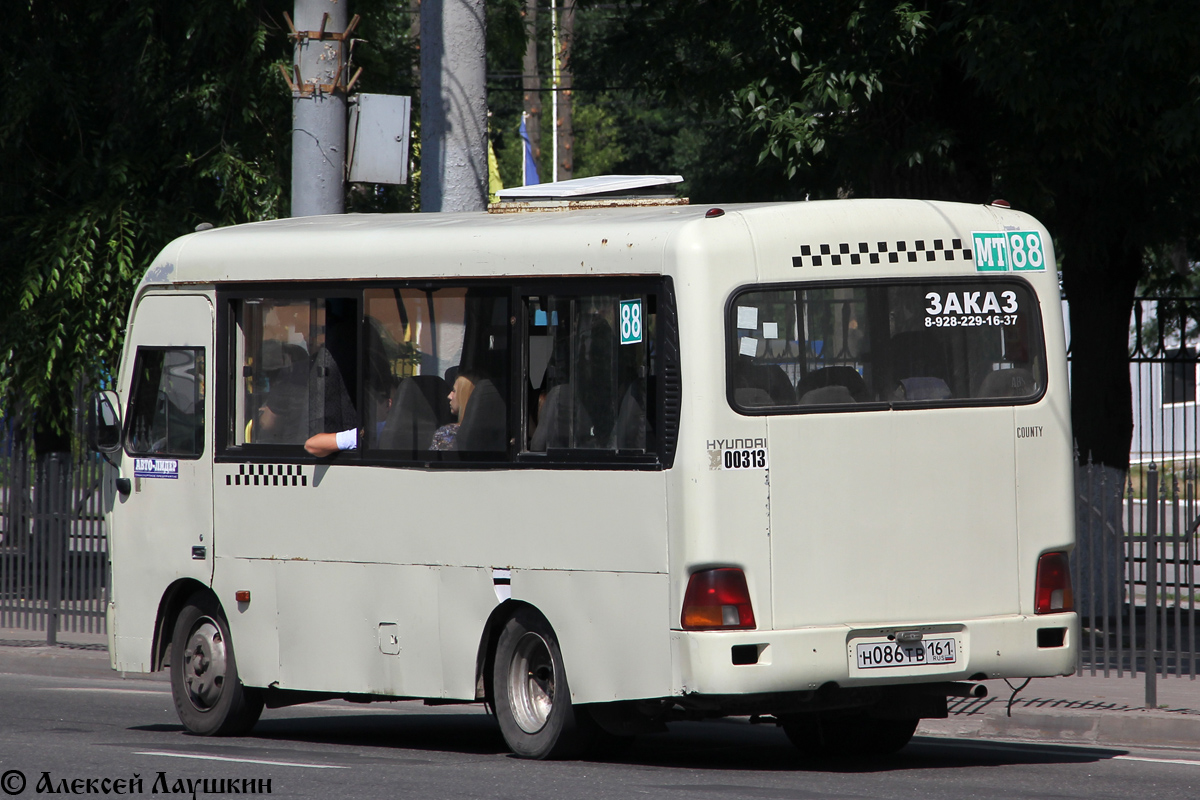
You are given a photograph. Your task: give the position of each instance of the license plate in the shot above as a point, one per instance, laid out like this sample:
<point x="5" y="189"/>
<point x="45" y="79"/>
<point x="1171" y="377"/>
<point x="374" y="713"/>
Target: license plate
<point x="876" y="655"/>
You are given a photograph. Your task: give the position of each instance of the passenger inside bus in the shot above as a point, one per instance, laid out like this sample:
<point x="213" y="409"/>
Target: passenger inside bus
<point x="281" y="417"/>
<point x="282" y="376"/>
<point x="460" y="394"/>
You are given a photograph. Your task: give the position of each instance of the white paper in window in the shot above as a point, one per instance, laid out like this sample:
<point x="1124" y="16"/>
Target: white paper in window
<point x="747" y="317"/>
<point x="748" y="346"/>
<point x="770" y="330"/>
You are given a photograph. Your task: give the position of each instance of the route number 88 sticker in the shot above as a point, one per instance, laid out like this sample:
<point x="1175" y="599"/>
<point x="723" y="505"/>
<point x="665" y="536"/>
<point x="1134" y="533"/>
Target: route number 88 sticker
<point x="1002" y="251"/>
<point x="631" y="321"/>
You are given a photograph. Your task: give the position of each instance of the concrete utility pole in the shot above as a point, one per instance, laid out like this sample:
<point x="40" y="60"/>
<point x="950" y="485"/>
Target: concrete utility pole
<point x="454" y="169"/>
<point x="531" y="83"/>
<point x="319" y="85"/>
<point x="564" y="127"/>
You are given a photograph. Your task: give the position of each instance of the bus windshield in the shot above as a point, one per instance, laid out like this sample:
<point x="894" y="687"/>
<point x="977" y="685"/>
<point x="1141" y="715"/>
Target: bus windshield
<point x="884" y="345"/>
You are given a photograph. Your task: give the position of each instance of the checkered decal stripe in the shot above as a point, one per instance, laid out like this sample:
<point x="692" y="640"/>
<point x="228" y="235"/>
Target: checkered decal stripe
<point x="882" y="252"/>
<point x="268" y="475"/>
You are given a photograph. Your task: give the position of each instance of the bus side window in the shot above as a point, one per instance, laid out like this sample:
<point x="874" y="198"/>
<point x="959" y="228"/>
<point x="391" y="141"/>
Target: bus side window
<point x="299" y="368"/>
<point x="413" y="348"/>
<point x="166" y="403"/>
<point x="902" y="344"/>
<point x="421" y="343"/>
<point x="589" y="372"/>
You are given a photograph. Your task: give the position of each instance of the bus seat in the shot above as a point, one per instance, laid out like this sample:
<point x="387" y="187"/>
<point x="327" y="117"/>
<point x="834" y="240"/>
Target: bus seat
<point x="1015" y="382"/>
<point x="437" y="393"/>
<point x="769" y="377"/>
<point x="557" y="421"/>
<point x="485" y="422"/>
<point x="830" y="377"/>
<point x="752" y="397"/>
<point x="826" y="395"/>
<point x="923" y="389"/>
<point x="411" y="420"/>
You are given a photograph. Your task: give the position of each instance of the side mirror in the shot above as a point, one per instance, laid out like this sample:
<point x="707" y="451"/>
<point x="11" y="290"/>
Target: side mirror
<point x="104" y="422"/>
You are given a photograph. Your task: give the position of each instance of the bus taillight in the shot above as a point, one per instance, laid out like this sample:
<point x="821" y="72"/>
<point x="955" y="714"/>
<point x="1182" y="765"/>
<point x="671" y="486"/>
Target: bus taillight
<point x="717" y="599"/>
<point x="1053" y="593"/>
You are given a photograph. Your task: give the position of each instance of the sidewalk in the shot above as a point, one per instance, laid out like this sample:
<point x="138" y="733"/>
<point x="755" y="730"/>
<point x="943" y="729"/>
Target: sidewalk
<point x="1079" y="710"/>
<point x="77" y="655"/>
<point x="1076" y="710"/>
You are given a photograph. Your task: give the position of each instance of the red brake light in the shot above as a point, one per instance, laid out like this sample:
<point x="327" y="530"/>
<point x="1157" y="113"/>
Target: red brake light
<point x="1053" y="592"/>
<point x="717" y="599"/>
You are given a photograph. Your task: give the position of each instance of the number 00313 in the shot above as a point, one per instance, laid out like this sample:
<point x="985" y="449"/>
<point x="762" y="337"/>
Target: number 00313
<point x="754" y="458"/>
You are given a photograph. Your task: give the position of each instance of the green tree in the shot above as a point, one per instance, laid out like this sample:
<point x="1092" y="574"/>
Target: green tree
<point x="1084" y="113"/>
<point x="126" y="123"/>
<point x="1100" y="107"/>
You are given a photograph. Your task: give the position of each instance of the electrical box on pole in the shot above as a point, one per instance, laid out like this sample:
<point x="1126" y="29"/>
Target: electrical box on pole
<point x="378" y="138"/>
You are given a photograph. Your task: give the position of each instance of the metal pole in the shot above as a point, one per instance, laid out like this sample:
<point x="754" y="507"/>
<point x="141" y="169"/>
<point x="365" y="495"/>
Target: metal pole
<point x="554" y="67"/>
<point x="454" y="171"/>
<point x="531" y="83"/>
<point x="1151" y="586"/>
<point x="319" y="107"/>
<point x="1091" y="558"/>
<point x="564" y="125"/>
<point x="55" y="487"/>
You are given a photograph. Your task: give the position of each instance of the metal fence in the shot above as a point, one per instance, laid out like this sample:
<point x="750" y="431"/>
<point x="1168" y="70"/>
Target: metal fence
<point x="1137" y="574"/>
<point x="1135" y="565"/>
<point x="53" y="547"/>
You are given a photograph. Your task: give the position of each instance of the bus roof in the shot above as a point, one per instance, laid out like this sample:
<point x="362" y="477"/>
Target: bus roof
<point x="580" y="242"/>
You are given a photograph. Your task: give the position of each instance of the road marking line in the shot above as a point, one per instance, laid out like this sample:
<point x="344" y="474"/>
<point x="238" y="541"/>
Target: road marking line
<point x="155" y="692"/>
<point x="238" y="760"/>
<point x="1158" y="760"/>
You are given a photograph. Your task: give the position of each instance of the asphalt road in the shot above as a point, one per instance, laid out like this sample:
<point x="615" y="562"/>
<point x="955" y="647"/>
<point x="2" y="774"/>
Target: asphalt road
<point x="79" y="728"/>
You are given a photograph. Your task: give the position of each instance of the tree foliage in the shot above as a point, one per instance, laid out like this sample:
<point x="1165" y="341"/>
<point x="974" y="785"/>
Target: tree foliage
<point x="1087" y="114"/>
<point x="126" y="123"/>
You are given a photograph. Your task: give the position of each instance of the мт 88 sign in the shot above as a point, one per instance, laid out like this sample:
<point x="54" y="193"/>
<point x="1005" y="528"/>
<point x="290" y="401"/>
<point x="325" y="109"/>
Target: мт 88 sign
<point x="1019" y="251"/>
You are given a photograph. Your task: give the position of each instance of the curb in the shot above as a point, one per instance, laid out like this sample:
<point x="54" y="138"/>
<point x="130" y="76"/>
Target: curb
<point x="1127" y="728"/>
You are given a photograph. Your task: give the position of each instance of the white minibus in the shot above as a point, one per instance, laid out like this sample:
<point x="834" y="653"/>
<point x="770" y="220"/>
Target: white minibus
<point x="598" y="468"/>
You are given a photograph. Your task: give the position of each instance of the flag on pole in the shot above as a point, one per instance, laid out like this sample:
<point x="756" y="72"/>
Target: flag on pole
<point x="529" y="170"/>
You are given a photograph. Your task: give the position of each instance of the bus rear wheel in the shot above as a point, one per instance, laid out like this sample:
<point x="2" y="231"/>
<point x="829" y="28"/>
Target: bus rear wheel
<point x="848" y="736"/>
<point x="209" y="698"/>
<point x="531" y="697"/>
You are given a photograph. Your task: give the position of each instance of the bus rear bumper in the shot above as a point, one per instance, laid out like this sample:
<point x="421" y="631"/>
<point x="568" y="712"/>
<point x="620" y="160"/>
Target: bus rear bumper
<point x="805" y="659"/>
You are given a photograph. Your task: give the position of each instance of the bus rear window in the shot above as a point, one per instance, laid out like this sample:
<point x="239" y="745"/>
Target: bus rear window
<point x="834" y="347"/>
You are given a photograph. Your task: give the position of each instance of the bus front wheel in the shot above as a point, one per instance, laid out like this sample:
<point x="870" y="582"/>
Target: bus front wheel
<point x="531" y="698"/>
<point x="209" y="698"/>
